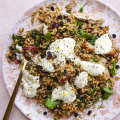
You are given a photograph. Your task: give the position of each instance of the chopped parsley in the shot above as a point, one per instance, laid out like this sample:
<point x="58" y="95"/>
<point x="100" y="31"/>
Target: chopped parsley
<point x="89" y="37"/>
<point x="49" y="103"/>
<point x="36" y="35"/>
<point x="95" y="60"/>
<point x="106" y="93"/>
<point x="20" y="39"/>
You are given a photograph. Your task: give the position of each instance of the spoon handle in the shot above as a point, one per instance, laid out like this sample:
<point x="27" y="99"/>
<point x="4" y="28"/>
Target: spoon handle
<point x="12" y="99"/>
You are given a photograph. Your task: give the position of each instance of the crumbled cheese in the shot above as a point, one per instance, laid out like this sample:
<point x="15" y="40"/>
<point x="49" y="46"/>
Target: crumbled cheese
<point x="81" y="80"/>
<point x="19" y="56"/>
<point x="30" y="84"/>
<point x="44" y="63"/>
<point x="45" y="29"/>
<point x="64" y="93"/>
<point x="93" y="68"/>
<point x="19" y="48"/>
<point x="103" y="45"/>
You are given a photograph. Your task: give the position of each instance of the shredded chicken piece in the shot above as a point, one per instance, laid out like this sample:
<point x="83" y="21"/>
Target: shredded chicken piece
<point x="88" y="17"/>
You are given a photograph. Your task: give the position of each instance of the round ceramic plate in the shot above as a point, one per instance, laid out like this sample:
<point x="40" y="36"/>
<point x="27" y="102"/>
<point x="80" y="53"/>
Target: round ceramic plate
<point x="29" y="107"/>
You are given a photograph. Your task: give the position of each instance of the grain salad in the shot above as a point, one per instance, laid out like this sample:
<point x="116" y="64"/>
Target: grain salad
<point x="72" y="59"/>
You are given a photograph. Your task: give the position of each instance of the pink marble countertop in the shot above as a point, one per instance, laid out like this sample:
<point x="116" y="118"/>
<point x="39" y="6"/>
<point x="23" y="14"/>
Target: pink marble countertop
<point x="10" y="12"/>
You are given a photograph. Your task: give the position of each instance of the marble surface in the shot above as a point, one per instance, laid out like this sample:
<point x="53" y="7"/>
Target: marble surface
<point x="10" y="12"/>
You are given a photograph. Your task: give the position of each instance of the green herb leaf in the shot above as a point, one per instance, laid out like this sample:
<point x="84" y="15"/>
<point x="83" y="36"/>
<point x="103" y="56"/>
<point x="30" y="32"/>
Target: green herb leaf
<point x="92" y="39"/>
<point x="100" y="105"/>
<point x="73" y="32"/>
<point x="49" y="103"/>
<point x="105" y="96"/>
<point x="108" y="90"/>
<point x="109" y="81"/>
<point x="106" y="27"/>
<point x="78" y="22"/>
<point x="54" y="79"/>
<point x="92" y="91"/>
<point x="81" y="9"/>
<point x="40" y="12"/>
<point x="48" y="37"/>
<point x="20" y="39"/>
<point x="114" y="70"/>
<point x="81" y="32"/>
<point x="38" y="37"/>
<point x="36" y="43"/>
<point x="95" y="60"/>
<point x="55" y="119"/>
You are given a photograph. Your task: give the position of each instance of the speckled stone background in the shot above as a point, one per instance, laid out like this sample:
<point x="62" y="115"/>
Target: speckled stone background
<point x="10" y="12"/>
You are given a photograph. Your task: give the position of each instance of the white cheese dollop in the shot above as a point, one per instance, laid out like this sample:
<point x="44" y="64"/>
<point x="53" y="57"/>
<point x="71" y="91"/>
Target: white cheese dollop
<point x="81" y="80"/>
<point x="64" y="93"/>
<point x="30" y="84"/>
<point x="45" y="29"/>
<point x="92" y="68"/>
<point x="44" y="63"/>
<point x="103" y="44"/>
<point x="19" y="48"/>
<point x="63" y="48"/>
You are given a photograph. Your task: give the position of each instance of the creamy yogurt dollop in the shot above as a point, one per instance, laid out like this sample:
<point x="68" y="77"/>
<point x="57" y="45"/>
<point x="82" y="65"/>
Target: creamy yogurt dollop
<point x="30" y="84"/>
<point x="103" y="45"/>
<point x="44" y="63"/>
<point x="81" y="80"/>
<point x="93" y="68"/>
<point x="64" y="93"/>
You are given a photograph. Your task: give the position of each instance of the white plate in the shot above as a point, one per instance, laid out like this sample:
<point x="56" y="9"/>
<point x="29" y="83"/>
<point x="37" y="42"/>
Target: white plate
<point x="29" y="107"/>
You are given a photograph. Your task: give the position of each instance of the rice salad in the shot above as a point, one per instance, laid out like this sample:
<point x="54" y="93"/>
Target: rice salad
<point x="72" y="59"/>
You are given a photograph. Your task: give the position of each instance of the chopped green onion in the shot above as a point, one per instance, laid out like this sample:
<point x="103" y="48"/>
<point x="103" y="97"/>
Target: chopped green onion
<point x="81" y="9"/>
<point x="95" y="60"/>
<point x="48" y="37"/>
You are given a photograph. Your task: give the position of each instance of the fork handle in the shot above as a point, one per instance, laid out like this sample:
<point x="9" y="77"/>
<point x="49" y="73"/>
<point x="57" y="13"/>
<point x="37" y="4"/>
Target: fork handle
<point x="12" y="99"/>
